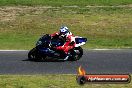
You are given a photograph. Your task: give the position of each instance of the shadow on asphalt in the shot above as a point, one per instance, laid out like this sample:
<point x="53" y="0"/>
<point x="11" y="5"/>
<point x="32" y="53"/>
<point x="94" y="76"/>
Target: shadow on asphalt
<point x="47" y="60"/>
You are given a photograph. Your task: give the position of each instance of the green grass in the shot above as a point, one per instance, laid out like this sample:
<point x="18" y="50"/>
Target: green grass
<point x="50" y="81"/>
<point x="20" y="27"/>
<point x="65" y="2"/>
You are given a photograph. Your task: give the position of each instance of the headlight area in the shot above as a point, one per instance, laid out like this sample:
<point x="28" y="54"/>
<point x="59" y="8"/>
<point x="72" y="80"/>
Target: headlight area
<point x="38" y="43"/>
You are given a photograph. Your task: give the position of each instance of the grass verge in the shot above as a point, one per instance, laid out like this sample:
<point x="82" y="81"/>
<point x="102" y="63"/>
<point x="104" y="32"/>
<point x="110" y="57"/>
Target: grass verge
<point x="105" y="27"/>
<point x="64" y="2"/>
<point x="50" y="81"/>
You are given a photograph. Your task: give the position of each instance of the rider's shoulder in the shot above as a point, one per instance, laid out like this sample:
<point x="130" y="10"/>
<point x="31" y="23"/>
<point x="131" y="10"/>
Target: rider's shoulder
<point x="56" y="33"/>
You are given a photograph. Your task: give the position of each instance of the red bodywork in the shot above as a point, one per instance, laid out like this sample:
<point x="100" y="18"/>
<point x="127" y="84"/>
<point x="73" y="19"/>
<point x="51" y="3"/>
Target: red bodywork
<point x="66" y="47"/>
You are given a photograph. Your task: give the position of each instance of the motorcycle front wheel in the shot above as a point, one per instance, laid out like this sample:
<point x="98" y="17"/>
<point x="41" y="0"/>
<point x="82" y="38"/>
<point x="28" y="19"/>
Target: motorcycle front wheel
<point x="33" y="55"/>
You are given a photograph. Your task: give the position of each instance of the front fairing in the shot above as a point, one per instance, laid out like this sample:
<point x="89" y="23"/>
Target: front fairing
<point x="45" y="45"/>
<point x="44" y="40"/>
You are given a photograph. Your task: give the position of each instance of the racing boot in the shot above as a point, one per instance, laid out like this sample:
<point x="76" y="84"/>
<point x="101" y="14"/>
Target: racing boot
<point x="67" y="56"/>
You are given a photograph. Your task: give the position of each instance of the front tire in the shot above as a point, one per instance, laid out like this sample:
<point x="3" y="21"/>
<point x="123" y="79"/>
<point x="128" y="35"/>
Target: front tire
<point x="32" y="54"/>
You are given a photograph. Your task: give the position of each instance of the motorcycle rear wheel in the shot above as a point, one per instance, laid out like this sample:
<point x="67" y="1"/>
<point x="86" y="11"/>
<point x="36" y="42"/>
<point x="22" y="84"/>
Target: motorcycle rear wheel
<point x="76" y="54"/>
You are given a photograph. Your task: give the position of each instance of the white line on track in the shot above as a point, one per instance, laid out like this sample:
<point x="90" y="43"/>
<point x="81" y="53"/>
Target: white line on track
<point x="13" y="50"/>
<point x="107" y="49"/>
<point x="84" y="49"/>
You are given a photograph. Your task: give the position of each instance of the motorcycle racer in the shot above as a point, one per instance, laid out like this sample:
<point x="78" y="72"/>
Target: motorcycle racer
<point x="67" y="37"/>
<point x="62" y="45"/>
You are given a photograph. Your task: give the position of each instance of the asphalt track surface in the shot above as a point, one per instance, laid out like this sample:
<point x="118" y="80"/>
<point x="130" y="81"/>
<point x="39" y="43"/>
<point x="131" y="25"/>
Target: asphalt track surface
<point x="93" y="61"/>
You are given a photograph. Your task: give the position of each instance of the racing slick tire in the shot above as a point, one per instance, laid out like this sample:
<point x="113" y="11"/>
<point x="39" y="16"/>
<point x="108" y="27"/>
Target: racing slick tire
<point x="33" y="55"/>
<point x="76" y="54"/>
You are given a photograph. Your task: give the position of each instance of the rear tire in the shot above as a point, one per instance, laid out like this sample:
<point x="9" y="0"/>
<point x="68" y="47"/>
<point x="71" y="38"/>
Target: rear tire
<point x="76" y="54"/>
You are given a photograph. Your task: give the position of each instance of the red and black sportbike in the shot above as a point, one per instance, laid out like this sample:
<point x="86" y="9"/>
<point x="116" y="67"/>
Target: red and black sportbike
<point x="45" y="47"/>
